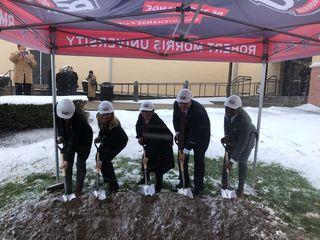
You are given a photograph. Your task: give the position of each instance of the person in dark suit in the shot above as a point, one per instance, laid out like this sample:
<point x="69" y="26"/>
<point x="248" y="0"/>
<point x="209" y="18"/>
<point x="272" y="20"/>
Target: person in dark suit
<point x="192" y="125"/>
<point x="157" y="140"/>
<point x="75" y="133"/>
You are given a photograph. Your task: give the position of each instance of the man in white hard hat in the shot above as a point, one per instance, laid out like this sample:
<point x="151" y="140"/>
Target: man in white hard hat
<point x="157" y="140"/>
<point x="192" y="126"/>
<point x="75" y="133"/>
<point x="112" y="139"/>
<point x="239" y="138"/>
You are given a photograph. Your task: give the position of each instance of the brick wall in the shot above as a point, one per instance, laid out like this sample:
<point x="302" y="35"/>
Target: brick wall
<point x="314" y="89"/>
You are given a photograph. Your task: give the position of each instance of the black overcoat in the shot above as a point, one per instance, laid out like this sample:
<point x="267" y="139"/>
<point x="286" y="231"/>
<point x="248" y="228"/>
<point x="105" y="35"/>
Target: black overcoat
<point x="158" y="141"/>
<point x="77" y="135"/>
<point x="197" y="126"/>
<point x="112" y="142"/>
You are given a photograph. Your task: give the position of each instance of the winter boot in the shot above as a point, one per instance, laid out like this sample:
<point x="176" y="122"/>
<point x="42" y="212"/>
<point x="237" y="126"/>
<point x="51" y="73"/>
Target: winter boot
<point x="158" y="186"/>
<point x="240" y="193"/>
<point x="114" y="187"/>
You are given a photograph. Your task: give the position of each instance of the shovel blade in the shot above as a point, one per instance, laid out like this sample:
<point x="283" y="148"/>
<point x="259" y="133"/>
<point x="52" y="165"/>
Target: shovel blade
<point x="71" y="197"/>
<point x="185" y="191"/>
<point x="147" y="190"/>
<point x="228" y="194"/>
<point x="101" y="195"/>
<point x="67" y="197"/>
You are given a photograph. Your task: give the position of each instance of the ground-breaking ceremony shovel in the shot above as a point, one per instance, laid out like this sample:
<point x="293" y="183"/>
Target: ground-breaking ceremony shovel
<point x="146" y="189"/>
<point x="184" y="191"/>
<point x="227" y="193"/>
<point x="65" y="197"/>
<point x="99" y="194"/>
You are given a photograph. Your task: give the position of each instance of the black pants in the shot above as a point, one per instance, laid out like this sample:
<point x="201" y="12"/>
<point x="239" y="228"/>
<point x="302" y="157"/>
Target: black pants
<point x="199" y="167"/>
<point x="243" y="166"/>
<point x="82" y="157"/>
<point x="109" y="175"/>
<point x="23" y="88"/>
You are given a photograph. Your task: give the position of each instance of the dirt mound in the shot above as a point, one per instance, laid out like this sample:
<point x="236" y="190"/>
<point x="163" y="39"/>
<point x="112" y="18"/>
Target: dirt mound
<point x="129" y="215"/>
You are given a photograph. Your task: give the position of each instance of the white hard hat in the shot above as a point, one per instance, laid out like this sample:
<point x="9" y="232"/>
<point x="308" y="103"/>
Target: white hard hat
<point x="184" y="96"/>
<point x="65" y="109"/>
<point x="233" y="102"/>
<point x="147" y="106"/>
<point x="105" y="107"/>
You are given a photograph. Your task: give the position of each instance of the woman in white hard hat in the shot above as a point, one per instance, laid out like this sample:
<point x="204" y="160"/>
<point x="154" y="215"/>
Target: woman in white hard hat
<point x="157" y="140"/>
<point x="75" y="133"/>
<point x="112" y="139"/>
<point x="239" y="136"/>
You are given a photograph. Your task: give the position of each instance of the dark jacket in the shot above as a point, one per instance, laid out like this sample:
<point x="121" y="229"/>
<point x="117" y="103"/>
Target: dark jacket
<point x="158" y="140"/>
<point x="241" y="133"/>
<point x="197" y="128"/>
<point x="77" y="135"/>
<point x="113" y="140"/>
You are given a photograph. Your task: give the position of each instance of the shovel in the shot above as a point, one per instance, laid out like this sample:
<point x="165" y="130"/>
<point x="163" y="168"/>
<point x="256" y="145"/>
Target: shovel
<point x="65" y="197"/>
<point x="184" y="191"/>
<point x="145" y="189"/>
<point x="99" y="194"/>
<point x="227" y="193"/>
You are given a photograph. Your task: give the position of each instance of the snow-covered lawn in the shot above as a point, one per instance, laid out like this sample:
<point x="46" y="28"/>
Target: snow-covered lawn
<point x="289" y="136"/>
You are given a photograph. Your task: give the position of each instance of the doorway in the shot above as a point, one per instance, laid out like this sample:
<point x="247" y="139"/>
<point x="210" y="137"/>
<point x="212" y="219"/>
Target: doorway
<point x="295" y="77"/>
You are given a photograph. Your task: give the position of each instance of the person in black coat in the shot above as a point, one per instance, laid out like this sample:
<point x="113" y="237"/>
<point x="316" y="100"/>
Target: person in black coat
<point x="112" y="139"/>
<point x="192" y="126"/>
<point x="76" y="135"/>
<point x="157" y="140"/>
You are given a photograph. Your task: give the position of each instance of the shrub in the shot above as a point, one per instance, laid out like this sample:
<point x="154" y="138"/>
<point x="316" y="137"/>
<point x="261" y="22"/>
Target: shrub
<point x="28" y="116"/>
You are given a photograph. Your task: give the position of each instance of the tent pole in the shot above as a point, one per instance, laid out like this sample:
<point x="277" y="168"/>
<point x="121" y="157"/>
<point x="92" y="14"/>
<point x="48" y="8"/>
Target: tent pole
<point x="261" y="95"/>
<point x="54" y="102"/>
<point x="110" y="69"/>
<point x="40" y="69"/>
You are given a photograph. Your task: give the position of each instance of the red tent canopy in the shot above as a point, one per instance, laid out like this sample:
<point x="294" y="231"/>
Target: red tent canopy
<point x="211" y="30"/>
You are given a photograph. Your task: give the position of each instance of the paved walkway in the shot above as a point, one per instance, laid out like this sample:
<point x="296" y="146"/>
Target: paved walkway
<point x="93" y="105"/>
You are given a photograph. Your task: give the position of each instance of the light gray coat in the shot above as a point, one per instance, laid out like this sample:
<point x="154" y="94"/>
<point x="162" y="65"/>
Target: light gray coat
<point x="242" y="134"/>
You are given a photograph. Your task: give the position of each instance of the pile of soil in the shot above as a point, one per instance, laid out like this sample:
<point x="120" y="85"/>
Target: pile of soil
<point x="129" y="215"/>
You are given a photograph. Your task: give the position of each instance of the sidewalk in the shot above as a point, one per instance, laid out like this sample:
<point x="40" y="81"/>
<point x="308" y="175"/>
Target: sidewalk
<point x="134" y="106"/>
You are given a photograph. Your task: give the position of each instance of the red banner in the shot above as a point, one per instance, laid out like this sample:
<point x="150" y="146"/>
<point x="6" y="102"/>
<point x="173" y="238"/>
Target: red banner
<point x="283" y="47"/>
<point x="136" y="45"/>
<point x="16" y="16"/>
<point x="149" y="6"/>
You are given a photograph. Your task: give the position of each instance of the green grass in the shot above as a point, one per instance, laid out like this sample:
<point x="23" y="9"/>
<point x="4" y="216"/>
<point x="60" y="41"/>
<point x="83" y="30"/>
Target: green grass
<point x="282" y="189"/>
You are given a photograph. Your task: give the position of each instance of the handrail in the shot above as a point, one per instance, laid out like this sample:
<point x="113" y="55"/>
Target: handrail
<point x="241" y="79"/>
<point x="243" y="87"/>
<point x="10" y="80"/>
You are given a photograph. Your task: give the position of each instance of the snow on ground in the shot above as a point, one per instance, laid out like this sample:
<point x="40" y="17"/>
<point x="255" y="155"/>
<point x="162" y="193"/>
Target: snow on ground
<point x="289" y="136"/>
<point x="207" y="100"/>
<point x="37" y="100"/>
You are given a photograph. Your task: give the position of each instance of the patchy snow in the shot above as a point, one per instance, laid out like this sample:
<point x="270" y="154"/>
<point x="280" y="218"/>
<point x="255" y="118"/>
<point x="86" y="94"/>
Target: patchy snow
<point x="289" y="136"/>
<point x="37" y="100"/>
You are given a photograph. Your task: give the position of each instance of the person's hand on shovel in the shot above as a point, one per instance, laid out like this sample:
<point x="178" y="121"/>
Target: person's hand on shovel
<point x="64" y="165"/>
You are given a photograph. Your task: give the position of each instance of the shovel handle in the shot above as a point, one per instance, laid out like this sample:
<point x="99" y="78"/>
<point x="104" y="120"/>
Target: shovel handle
<point x="182" y="173"/>
<point x="63" y="170"/>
